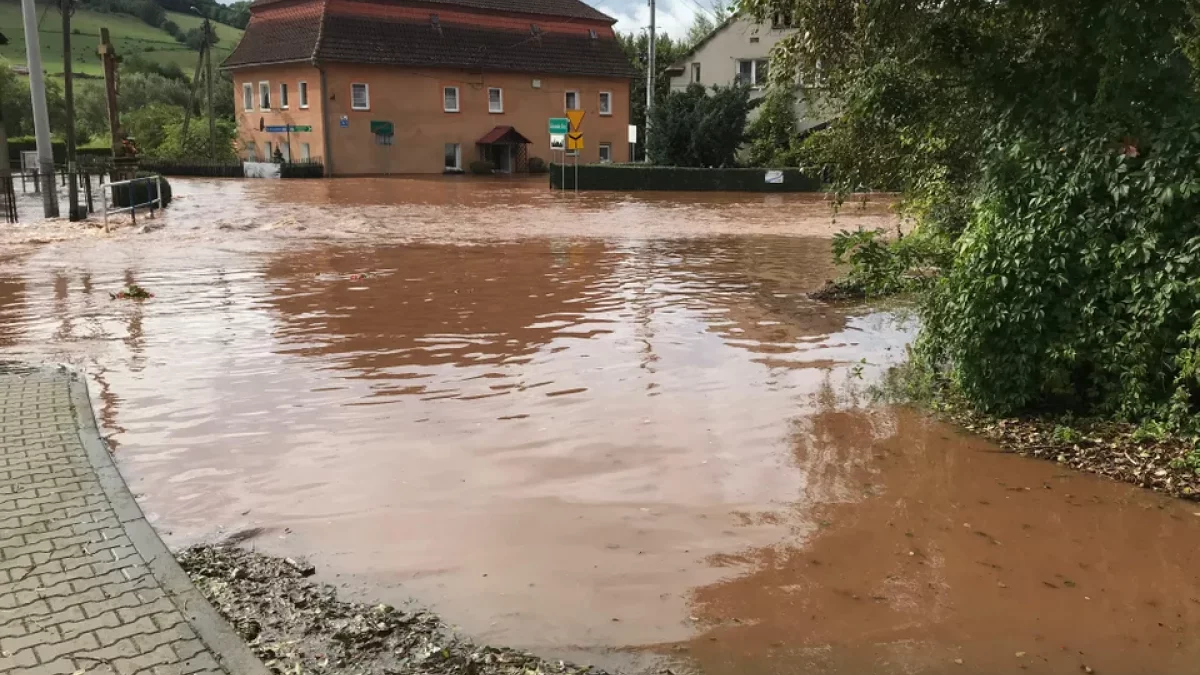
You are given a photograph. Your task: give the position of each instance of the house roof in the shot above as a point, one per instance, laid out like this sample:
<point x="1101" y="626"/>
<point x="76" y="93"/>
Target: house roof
<point x="368" y="40"/>
<point x="679" y="62"/>
<point x="502" y="135"/>
<point x="575" y="9"/>
<point x="352" y="38"/>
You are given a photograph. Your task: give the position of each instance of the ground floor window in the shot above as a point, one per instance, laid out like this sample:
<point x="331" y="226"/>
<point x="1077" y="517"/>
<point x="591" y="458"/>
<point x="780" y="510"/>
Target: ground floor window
<point x="286" y="149"/>
<point x="251" y="153"/>
<point x="606" y="152"/>
<point x="270" y="157"/>
<point x="453" y="157"/>
<point x="305" y="152"/>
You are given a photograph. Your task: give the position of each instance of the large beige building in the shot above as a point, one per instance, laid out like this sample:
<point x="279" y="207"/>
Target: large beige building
<point x="740" y="50"/>
<point x="427" y="86"/>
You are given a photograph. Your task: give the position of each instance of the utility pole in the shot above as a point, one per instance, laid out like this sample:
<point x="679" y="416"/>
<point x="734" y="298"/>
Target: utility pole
<point x="203" y="65"/>
<point x="108" y="58"/>
<point x="208" y="82"/>
<point x="41" y="116"/>
<point x="651" y="80"/>
<point x="67" y="8"/>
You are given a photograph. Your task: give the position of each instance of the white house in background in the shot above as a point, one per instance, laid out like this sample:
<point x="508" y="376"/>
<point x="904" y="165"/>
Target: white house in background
<point x="740" y="49"/>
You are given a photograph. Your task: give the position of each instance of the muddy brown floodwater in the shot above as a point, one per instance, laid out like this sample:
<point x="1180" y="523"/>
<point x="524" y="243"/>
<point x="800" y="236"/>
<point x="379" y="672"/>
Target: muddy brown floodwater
<point x="611" y="428"/>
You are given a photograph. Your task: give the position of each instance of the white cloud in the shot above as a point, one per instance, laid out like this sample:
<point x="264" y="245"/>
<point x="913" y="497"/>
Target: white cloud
<point x="673" y="17"/>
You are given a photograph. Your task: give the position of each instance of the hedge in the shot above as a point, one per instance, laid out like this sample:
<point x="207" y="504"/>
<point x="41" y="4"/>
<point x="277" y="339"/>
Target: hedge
<point x="671" y="178"/>
<point x="21" y="144"/>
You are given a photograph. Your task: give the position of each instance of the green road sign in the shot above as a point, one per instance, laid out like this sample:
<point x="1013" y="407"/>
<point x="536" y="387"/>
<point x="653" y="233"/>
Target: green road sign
<point x="559" y="125"/>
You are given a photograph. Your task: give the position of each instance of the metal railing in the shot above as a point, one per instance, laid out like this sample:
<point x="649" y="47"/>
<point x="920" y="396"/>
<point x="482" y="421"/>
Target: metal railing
<point x="153" y="200"/>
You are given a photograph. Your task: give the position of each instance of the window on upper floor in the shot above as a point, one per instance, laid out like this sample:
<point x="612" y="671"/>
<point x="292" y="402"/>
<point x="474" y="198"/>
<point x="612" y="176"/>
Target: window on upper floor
<point x="450" y="99"/>
<point x="360" y="96"/>
<point x="495" y="100"/>
<point x="781" y="20"/>
<point x="303" y="88"/>
<point x="264" y="95"/>
<point x="247" y="96"/>
<point x="606" y="103"/>
<point x="571" y="100"/>
<point x="283" y="96"/>
<point x="696" y="72"/>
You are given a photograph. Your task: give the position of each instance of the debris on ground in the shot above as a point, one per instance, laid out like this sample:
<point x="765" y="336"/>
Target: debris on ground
<point x="131" y="292"/>
<point x="834" y="291"/>
<point x="295" y="625"/>
<point x="1161" y="462"/>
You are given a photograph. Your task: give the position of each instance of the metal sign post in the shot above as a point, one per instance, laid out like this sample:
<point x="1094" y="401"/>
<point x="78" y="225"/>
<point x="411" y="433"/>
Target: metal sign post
<point x="559" y="127"/>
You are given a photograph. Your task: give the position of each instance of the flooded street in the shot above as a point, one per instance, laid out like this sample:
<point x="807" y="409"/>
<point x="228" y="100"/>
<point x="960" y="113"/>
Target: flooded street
<point x="611" y="428"/>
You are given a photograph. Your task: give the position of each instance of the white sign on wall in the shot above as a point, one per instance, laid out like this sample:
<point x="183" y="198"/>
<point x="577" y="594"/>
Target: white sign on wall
<point x="558" y="141"/>
<point x="775" y="177"/>
<point x="633" y="133"/>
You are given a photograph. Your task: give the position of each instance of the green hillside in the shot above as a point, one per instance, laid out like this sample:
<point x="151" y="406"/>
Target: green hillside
<point x="129" y="34"/>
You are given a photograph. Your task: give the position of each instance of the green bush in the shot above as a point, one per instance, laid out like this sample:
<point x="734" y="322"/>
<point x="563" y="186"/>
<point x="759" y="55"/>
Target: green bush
<point x="141" y="193"/>
<point x="536" y="165"/>
<point x="694" y="128"/>
<point x="649" y="177"/>
<point x="1077" y="283"/>
<point x="482" y="167"/>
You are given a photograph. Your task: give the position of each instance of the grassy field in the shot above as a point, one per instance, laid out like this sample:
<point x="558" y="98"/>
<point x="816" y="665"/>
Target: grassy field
<point x="130" y="36"/>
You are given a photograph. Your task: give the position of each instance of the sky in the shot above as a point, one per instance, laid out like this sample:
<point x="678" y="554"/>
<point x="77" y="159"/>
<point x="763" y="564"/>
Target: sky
<point x="633" y="16"/>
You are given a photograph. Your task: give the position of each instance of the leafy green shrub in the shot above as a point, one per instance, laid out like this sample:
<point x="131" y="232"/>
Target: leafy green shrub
<point x="880" y="267"/>
<point x="694" y="128"/>
<point x="537" y="165"/>
<point x="481" y="167"/>
<point x="1077" y="282"/>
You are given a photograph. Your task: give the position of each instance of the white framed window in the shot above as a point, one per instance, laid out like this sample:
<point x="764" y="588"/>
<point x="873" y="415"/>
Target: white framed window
<point x="286" y="150"/>
<point x="571" y="100"/>
<point x="264" y="95"/>
<point x="606" y="103"/>
<point x="303" y="90"/>
<point x="251" y="153"/>
<point x="696" y="72"/>
<point x="270" y="157"/>
<point x="247" y="96"/>
<point x="305" y="152"/>
<point x="450" y="99"/>
<point x="453" y="157"/>
<point x="283" y="96"/>
<point x="360" y="96"/>
<point x="495" y="100"/>
<point x="605" y="152"/>
<point x="752" y="71"/>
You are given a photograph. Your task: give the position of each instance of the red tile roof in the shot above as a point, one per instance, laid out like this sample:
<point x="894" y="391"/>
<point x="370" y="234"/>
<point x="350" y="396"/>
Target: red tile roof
<point x="576" y="9"/>
<point x="365" y="40"/>
<point x="395" y="40"/>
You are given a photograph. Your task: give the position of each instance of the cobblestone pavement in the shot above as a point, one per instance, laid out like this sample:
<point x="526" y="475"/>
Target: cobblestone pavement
<point x="86" y="586"/>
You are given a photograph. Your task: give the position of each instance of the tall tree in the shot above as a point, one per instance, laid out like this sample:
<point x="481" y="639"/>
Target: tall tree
<point x="1053" y="145"/>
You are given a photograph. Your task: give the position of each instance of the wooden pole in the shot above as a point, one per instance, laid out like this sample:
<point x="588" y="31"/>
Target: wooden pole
<point x="108" y="58"/>
<point x="67" y="7"/>
<point x="208" y="82"/>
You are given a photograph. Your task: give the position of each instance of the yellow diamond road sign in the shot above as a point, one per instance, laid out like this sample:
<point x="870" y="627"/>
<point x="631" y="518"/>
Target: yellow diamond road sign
<point x="575" y="140"/>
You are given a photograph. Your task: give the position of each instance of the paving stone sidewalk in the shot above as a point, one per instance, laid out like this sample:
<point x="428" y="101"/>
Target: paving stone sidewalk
<point x="86" y="586"/>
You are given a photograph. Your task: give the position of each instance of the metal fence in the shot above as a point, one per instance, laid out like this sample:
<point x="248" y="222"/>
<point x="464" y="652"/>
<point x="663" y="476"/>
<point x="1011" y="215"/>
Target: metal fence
<point x="131" y="191"/>
<point x="8" y="199"/>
